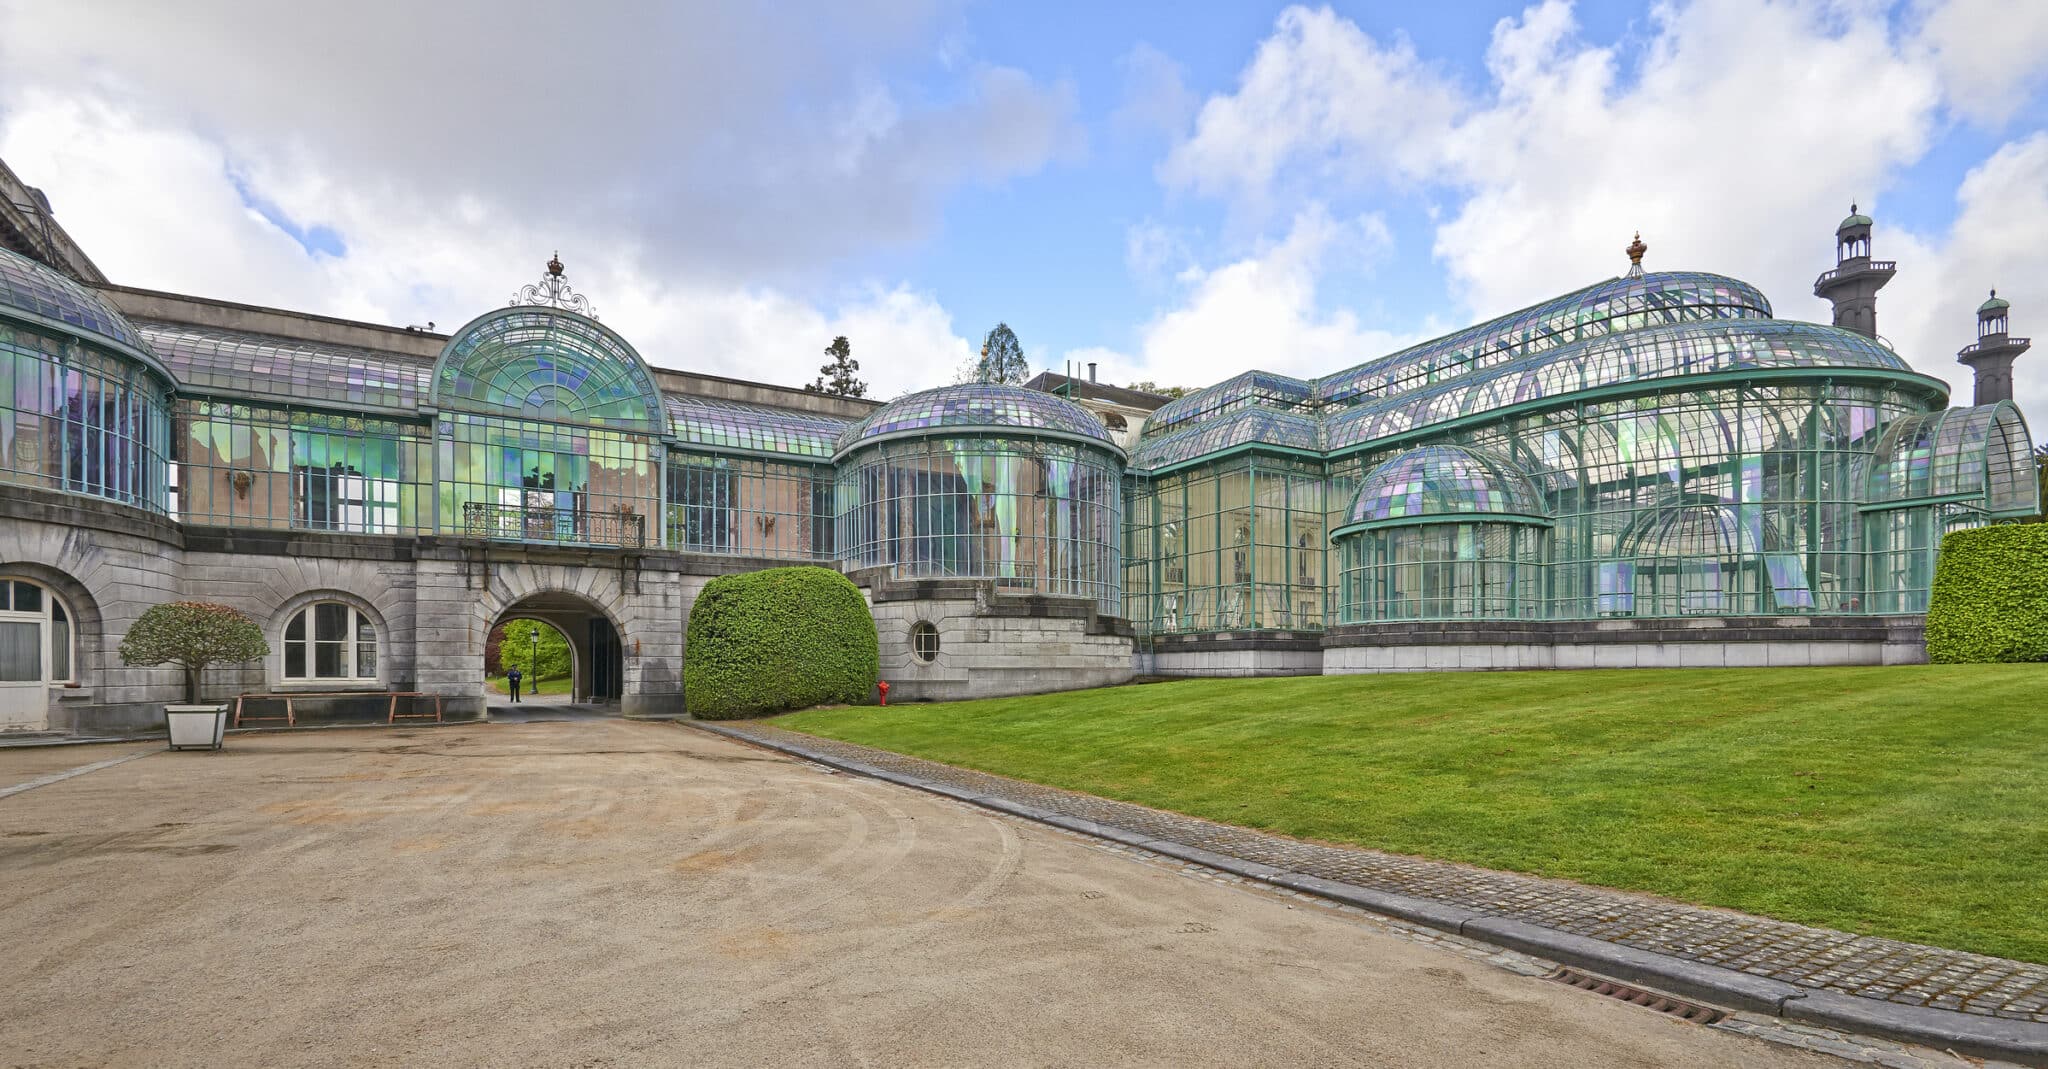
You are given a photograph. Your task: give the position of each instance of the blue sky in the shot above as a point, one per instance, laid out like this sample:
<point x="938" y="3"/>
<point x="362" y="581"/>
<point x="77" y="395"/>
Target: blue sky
<point x="1177" y="191"/>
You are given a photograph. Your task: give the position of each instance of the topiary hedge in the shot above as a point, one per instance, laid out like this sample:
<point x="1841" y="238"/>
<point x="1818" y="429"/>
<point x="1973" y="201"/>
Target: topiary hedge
<point x="784" y="638"/>
<point x="1990" y="597"/>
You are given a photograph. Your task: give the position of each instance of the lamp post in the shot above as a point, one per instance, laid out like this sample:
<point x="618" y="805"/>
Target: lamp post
<point x="533" y="661"/>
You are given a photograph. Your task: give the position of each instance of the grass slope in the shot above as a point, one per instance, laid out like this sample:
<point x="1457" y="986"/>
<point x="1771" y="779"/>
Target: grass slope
<point x="1906" y="801"/>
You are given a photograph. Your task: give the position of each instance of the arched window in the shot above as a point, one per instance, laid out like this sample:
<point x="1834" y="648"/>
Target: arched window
<point x="37" y="650"/>
<point x="330" y="640"/>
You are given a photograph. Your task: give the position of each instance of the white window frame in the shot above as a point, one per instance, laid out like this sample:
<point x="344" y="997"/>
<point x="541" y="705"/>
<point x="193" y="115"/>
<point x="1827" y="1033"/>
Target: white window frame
<point x="52" y="603"/>
<point x="309" y="646"/>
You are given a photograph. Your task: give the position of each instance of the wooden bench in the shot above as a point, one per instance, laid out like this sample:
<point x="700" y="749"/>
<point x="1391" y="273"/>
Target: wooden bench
<point x="290" y="717"/>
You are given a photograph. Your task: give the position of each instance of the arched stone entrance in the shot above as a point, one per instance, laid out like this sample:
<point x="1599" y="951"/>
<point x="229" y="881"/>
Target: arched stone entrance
<point x="597" y="663"/>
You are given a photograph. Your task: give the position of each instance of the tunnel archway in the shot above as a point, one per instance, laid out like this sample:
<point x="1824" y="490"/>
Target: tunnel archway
<point x="596" y="654"/>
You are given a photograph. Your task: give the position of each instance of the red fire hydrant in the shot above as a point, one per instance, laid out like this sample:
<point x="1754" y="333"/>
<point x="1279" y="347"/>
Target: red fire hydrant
<point x="884" y="688"/>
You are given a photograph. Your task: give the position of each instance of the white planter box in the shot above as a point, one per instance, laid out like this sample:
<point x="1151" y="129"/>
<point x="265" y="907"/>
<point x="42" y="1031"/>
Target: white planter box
<point x="196" y="726"/>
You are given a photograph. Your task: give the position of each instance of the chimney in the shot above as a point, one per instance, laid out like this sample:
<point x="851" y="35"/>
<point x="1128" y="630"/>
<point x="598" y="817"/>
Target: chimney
<point x="1091" y="371"/>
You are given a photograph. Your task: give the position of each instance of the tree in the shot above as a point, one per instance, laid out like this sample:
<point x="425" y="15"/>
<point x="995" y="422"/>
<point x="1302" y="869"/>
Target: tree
<point x="517" y="648"/>
<point x="1148" y="386"/>
<point x="1001" y="360"/>
<point x="837" y="377"/>
<point x="192" y="635"/>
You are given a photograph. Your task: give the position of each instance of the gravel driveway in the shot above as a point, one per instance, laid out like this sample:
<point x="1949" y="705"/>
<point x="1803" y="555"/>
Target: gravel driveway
<point x="617" y="893"/>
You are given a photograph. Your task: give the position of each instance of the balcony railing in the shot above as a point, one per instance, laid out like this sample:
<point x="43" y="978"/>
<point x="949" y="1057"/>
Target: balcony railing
<point x="1867" y="265"/>
<point x="1979" y="344"/>
<point x="523" y="523"/>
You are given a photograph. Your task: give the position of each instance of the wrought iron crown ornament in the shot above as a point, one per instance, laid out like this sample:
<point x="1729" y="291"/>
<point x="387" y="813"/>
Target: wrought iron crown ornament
<point x="552" y="291"/>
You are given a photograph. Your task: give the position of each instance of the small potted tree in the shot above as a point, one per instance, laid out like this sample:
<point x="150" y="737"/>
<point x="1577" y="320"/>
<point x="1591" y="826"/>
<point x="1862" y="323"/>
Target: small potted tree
<point x="193" y="635"/>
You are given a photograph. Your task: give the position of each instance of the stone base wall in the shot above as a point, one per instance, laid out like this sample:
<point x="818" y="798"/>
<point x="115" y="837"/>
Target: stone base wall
<point x="433" y="602"/>
<point x="992" y="644"/>
<point x="1706" y="642"/>
<point x="1266" y="653"/>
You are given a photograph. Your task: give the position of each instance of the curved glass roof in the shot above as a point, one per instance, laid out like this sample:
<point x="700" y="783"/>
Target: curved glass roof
<point x="1698" y="348"/>
<point x="980" y="406"/>
<point x="48" y="295"/>
<point x="240" y="364"/>
<point x="752" y="428"/>
<point x="1615" y="306"/>
<point x="1248" y="426"/>
<point x="1957" y="451"/>
<point x="545" y="363"/>
<point x="1611" y="307"/>
<point x="1433" y="482"/>
<point x="1699" y="530"/>
<point x="1262" y="388"/>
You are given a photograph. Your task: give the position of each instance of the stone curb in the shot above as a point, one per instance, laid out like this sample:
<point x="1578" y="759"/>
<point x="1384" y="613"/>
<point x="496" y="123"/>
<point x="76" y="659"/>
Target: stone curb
<point x="2024" y="1042"/>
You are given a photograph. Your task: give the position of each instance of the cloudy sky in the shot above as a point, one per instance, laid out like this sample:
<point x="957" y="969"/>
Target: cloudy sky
<point x="1177" y="191"/>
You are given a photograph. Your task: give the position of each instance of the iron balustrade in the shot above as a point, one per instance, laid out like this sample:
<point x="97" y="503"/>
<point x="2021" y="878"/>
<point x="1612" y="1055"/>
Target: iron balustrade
<point x="532" y="523"/>
<point x="1871" y="265"/>
<point x="2017" y="343"/>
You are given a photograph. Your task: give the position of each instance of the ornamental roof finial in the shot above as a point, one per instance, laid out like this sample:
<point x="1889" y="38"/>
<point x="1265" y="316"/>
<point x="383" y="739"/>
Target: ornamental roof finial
<point x="553" y="291"/>
<point x="1635" y="251"/>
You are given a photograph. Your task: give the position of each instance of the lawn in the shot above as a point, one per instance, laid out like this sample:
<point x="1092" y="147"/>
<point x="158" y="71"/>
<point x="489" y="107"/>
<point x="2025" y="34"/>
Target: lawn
<point x="1908" y="801"/>
<point x="550" y="685"/>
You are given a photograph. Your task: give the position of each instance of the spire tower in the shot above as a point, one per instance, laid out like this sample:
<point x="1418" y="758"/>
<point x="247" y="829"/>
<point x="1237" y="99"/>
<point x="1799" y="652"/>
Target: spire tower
<point x="1992" y="354"/>
<point x="1852" y="286"/>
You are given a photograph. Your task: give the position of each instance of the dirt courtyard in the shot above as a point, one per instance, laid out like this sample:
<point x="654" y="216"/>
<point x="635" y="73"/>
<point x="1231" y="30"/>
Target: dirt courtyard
<point x="628" y="894"/>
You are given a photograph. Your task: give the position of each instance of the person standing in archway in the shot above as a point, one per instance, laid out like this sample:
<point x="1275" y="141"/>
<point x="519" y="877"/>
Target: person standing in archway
<point x="512" y="681"/>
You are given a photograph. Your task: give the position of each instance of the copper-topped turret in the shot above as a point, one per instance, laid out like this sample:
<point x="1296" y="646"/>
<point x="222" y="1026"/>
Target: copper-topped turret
<point x="1852" y="286"/>
<point x="1992" y="354"/>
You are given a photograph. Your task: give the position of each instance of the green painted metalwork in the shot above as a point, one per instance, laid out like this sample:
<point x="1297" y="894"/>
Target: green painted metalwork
<point x="550" y="365"/>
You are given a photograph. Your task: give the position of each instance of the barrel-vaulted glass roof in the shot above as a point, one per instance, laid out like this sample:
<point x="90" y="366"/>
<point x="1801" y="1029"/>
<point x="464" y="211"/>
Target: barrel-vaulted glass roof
<point x="1614" y="306"/>
<point x="1696" y="348"/>
<point x="235" y="363"/>
<point x="983" y="406"/>
<point x="42" y="293"/>
<point x="1957" y="451"/>
<point x="1435" y="482"/>
<point x="548" y="364"/>
<point x="1247" y="426"/>
<point x="729" y="425"/>
<point x="1262" y="388"/>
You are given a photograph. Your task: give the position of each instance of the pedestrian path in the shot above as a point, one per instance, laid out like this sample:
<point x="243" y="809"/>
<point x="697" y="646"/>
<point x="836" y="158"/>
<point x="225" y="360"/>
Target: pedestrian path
<point x="1877" y="985"/>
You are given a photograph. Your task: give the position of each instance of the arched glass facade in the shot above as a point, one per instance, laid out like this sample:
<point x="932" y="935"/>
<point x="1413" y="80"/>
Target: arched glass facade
<point x="984" y="482"/>
<point x="1650" y="446"/>
<point x="83" y="407"/>
<point x="550" y="430"/>
<point x="1687" y="455"/>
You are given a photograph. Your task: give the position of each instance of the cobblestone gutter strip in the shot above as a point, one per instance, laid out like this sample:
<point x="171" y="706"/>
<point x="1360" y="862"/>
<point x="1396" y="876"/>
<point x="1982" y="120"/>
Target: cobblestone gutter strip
<point x="1971" y="1003"/>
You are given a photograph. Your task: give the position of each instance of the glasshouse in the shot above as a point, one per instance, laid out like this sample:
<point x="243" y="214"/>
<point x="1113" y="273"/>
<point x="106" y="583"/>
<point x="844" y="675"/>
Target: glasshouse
<point x="1652" y="469"/>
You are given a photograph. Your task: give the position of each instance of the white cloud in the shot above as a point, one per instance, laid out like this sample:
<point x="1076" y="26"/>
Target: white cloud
<point x="1321" y="97"/>
<point x="164" y="214"/>
<point x="1734" y="145"/>
<point x="1989" y="53"/>
<point x="704" y="173"/>
<point x="1262" y="311"/>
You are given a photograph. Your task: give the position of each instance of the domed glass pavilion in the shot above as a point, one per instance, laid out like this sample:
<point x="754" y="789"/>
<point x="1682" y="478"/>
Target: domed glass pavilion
<point x="1442" y="531"/>
<point x="84" y="404"/>
<point x="984" y="481"/>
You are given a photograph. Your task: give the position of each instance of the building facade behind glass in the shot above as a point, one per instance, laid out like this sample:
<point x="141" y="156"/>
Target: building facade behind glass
<point x="1647" y="453"/>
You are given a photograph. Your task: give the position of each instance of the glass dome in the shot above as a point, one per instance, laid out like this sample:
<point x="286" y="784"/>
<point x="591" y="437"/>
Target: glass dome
<point x="46" y="295"/>
<point x="979" y="406"/>
<point x="1444" y="481"/>
<point x="547" y="364"/>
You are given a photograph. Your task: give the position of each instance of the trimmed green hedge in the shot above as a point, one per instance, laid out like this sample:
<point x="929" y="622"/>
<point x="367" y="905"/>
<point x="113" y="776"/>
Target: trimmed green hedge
<point x="784" y="638"/>
<point x="1990" y="597"/>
